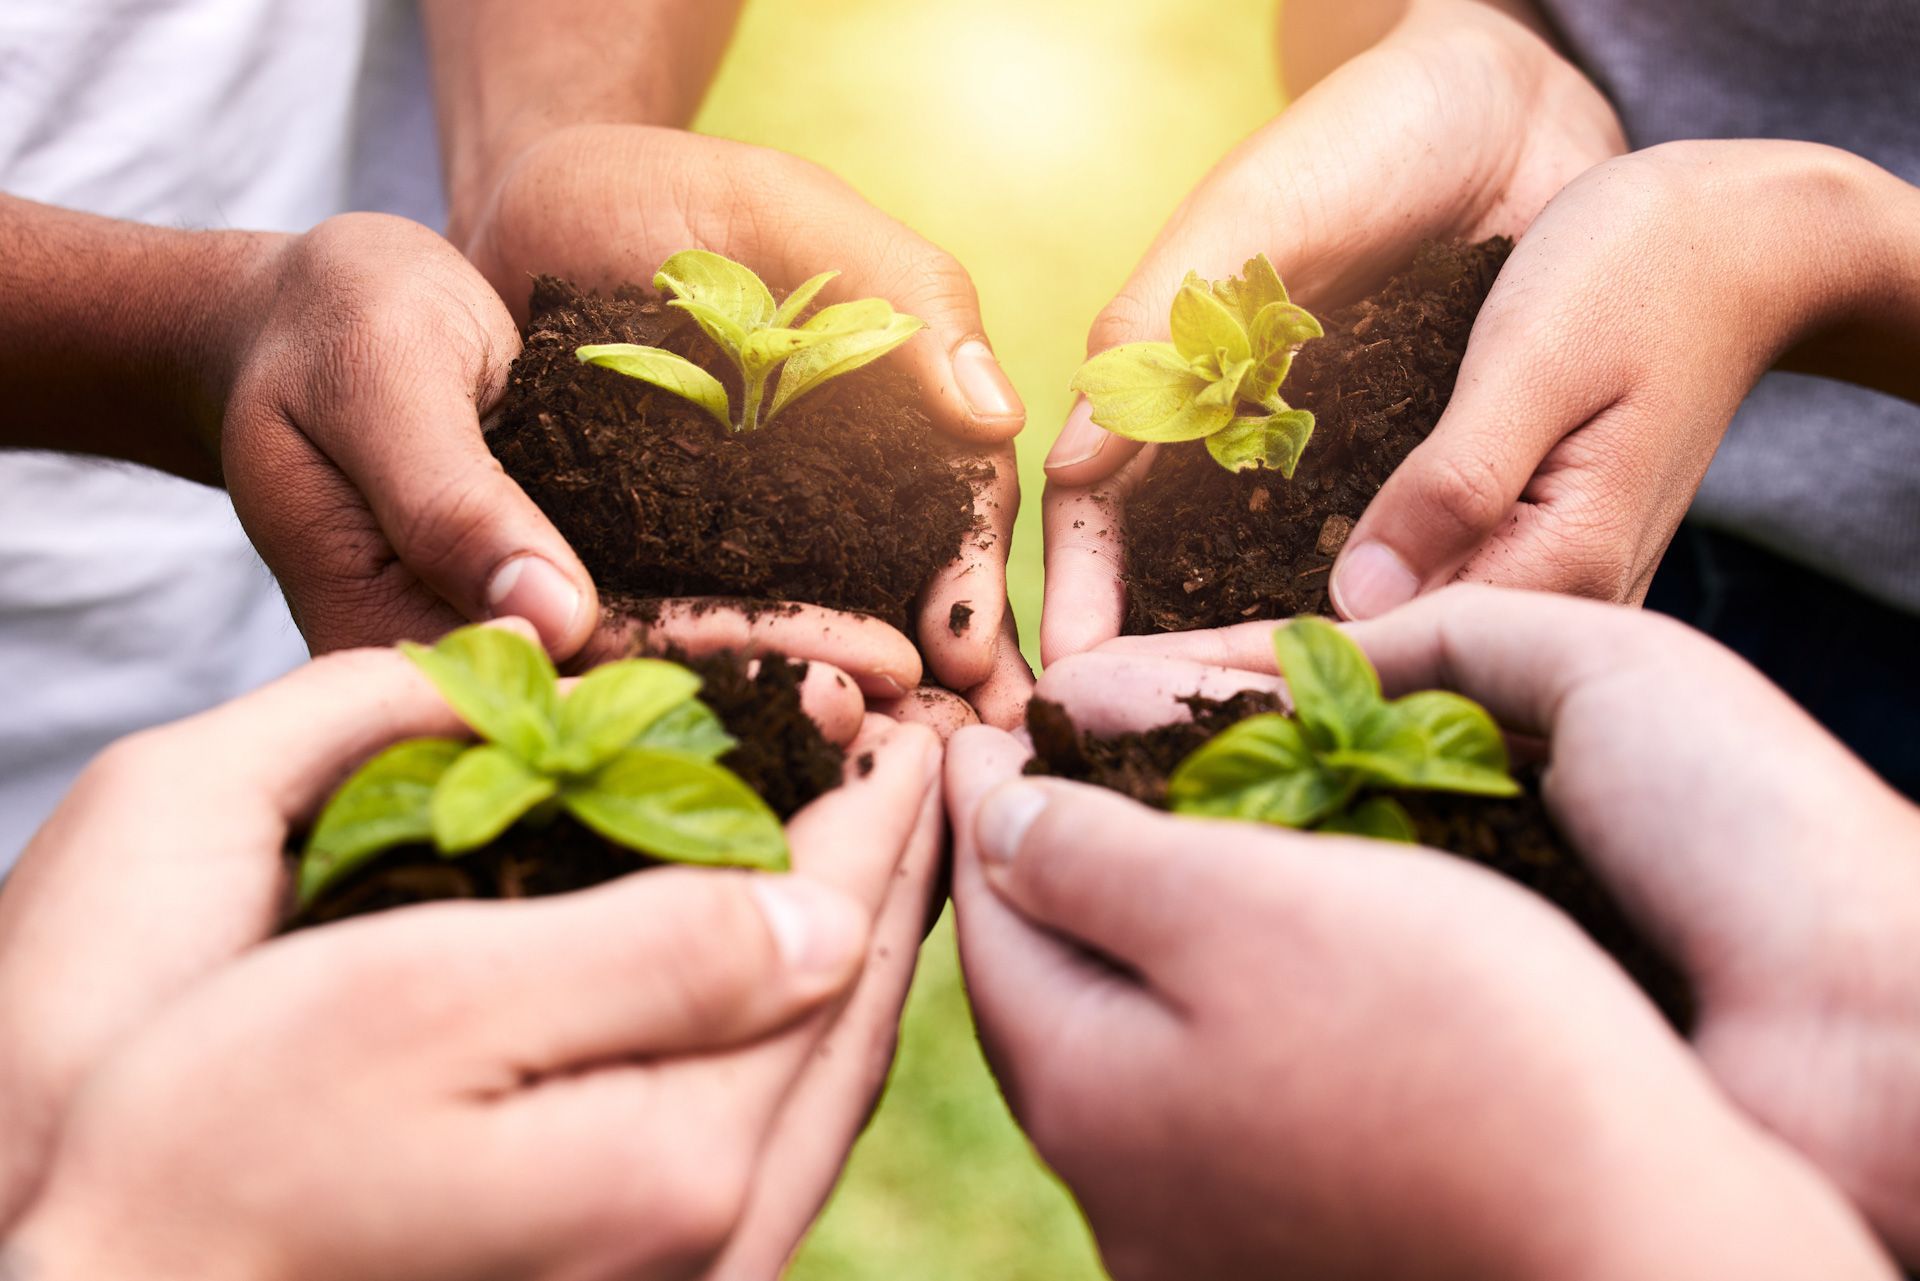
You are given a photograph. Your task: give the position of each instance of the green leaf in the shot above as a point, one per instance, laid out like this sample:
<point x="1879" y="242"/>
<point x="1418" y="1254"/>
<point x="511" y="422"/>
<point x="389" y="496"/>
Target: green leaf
<point x="796" y="302"/>
<point x="1261" y="769"/>
<point x="483" y="794"/>
<point x="726" y="333"/>
<point x="691" y="728"/>
<point x="858" y="316"/>
<point x="386" y="803"/>
<point x="664" y="370"/>
<point x="1380" y="817"/>
<point x="1431" y="741"/>
<point x="1256" y="288"/>
<point x="766" y="348"/>
<point x="1148" y="391"/>
<point x="1274" y="442"/>
<point x="841" y="354"/>
<point x="610" y="706"/>
<point x="500" y="683"/>
<point x="678" y="807"/>
<point x="1278" y="332"/>
<point x="1203" y="325"/>
<point x="1334" y="689"/>
<point x="730" y="289"/>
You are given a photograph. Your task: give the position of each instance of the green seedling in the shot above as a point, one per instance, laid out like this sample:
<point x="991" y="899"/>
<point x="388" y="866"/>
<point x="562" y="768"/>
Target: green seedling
<point x="629" y="752"/>
<point x="1233" y="343"/>
<point x="736" y="309"/>
<point x="1327" y="766"/>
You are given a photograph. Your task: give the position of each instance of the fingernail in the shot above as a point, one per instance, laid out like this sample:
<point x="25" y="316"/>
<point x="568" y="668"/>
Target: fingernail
<point x="889" y="688"/>
<point x="985" y="386"/>
<point x="1004" y="818"/>
<point x="1079" y="441"/>
<point x="815" y="929"/>
<point x="530" y="587"/>
<point x="1370" y="580"/>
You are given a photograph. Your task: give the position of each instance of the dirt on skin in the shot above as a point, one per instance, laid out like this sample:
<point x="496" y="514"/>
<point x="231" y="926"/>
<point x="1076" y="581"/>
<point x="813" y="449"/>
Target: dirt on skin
<point x="781" y="755"/>
<point x="1512" y="837"/>
<point x="848" y="499"/>
<point x="1207" y="547"/>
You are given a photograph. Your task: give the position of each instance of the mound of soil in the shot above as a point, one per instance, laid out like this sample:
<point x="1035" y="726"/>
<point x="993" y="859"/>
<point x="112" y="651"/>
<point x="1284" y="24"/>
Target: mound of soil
<point x="1512" y="837"/>
<point x="849" y="499"/>
<point x="781" y="755"/>
<point x="1207" y="547"/>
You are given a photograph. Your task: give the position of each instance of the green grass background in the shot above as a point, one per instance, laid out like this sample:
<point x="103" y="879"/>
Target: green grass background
<point x="1042" y="142"/>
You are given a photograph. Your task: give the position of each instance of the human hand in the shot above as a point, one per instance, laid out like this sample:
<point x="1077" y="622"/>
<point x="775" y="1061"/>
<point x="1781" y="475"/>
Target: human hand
<point x="195" y="816"/>
<point x="602" y="205"/>
<point x="1462" y="123"/>
<point x="1630" y="322"/>
<point x="1757" y="853"/>
<point x="1382" y="1083"/>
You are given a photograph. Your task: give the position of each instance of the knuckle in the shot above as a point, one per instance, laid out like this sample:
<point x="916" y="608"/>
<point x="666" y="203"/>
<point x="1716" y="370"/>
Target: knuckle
<point x="1460" y="493"/>
<point x="450" y="527"/>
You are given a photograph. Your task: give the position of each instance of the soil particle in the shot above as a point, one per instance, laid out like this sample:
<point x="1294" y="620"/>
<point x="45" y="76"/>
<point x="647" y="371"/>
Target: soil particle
<point x="1515" y="838"/>
<point x="959" y="618"/>
<point x="1207" y="547"/>
<point x="849" y="499"/>
<point x="781" y="755"/>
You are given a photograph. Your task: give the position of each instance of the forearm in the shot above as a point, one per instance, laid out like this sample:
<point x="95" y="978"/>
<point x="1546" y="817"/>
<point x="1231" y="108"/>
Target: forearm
<point x="1860" y="245"/>
<point x="506" y="73"/>
<point x="119" y="338"/>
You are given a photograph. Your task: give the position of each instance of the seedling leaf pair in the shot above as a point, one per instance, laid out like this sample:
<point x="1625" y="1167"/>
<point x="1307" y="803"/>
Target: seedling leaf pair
<point x="629" y="751"/>
<point x="734" y="308"/>
<point x="1325" y="766"/>
<point x="1233" y="344"/>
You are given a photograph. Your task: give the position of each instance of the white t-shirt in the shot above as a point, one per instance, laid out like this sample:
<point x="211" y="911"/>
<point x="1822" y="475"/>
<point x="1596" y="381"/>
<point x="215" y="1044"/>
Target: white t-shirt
<point x="129" y="598"/>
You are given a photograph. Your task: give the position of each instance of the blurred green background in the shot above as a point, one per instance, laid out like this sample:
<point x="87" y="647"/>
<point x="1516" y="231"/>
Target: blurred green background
<point x="1042" y="142"/>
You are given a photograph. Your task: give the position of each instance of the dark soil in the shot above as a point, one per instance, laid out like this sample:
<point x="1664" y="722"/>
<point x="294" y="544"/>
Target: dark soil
<point x="1512" y="837"/>
<point x="781" y="756"/>
<point x="848" y="499"/>
<point x="1207" y="547"/>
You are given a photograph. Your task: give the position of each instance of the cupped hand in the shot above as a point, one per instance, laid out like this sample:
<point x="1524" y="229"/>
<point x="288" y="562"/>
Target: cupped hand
<point x="166" y="862"/>
<point x="1462" y="123"/>
<point x="1633" y="318"/>
<point x="1761" y="856"/>
<point x="604" y="205"/>
<point x="351" y="444"/>
<point x="1256" y="1053"/>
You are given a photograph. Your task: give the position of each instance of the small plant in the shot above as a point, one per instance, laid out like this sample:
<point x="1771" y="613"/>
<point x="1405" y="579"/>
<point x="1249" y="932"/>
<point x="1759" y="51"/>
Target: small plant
<point x="1233" y="343"/>
<point x="1325" y="766"/>
<point x="736" y="309"/>
<point x="629" y="752"/>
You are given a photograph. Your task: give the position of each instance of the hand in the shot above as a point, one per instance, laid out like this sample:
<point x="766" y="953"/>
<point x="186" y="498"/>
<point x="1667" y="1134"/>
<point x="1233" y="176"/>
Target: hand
<point x="1603" y="369"/>
<point x="1762" y="857"/>
<point x="1255" y="1053"/>
<point x="1461" y="124"/>
<point x="605" y="204"/>
<point x="195" y="816"/>
<point x="351" y="444"/>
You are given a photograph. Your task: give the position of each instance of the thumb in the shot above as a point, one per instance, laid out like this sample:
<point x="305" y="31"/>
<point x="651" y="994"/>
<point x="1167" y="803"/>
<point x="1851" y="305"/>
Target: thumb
<point x="453" y="516"/>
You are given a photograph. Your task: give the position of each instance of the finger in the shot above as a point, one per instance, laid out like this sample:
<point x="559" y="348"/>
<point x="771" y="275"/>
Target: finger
<point x="1121" y="693"/>
<point x="1001" y="699"/>
<point x="1085" y="453"/>
<point x="940" y="710"/>
<point x="678" y="961"/>
<point x="1086" y="600"/>
<point x="852" y="837"/>
<point x="1028" y="985"/>
<point x="831" y="701"/>
<point x="962" y="607"/>
<point x="844" y="1068"/>
<point x="879" y="659"/>
<point x="1518" y="654"/>
<point x="1247" y="646"/>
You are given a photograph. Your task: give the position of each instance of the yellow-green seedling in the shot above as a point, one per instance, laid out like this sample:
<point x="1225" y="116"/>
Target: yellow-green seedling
<point x="1330" y="766"/>
<point x="1218" y="380"/>
<point x="736" y="309"/>
<point x="629" y="751"/>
